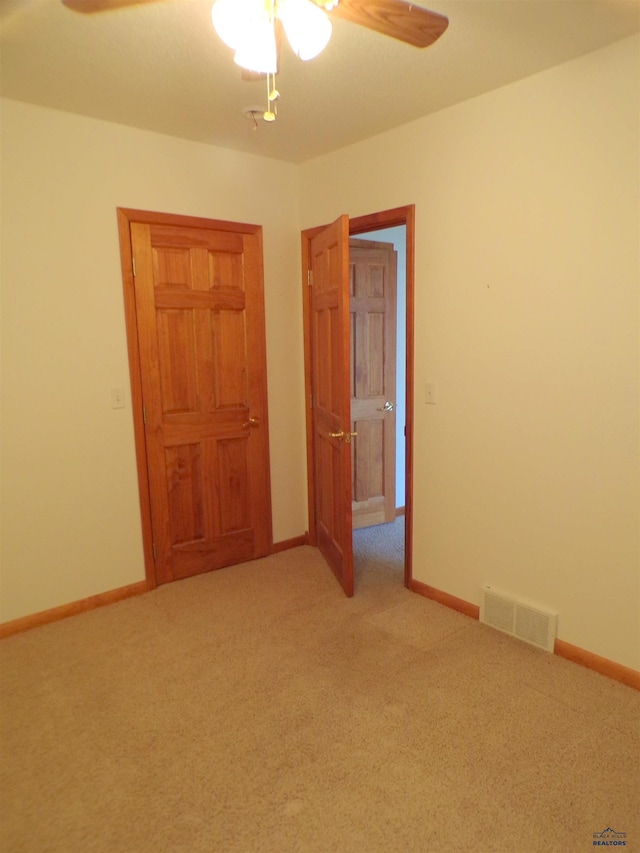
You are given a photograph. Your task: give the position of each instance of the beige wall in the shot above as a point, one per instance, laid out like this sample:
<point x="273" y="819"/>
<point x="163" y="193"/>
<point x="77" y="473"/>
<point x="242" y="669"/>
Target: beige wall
<point x="70" y="513"/>
<point x="527" y="280"/>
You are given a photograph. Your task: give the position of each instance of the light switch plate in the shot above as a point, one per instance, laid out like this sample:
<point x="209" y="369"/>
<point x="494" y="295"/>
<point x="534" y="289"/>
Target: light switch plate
<point x="117" y="398"/>
<point x="431" y="393"/>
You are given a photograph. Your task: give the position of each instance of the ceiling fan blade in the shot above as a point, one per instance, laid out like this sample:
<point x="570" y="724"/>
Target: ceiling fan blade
<point x="396" y="18"/>
<point x="90" y="6"/>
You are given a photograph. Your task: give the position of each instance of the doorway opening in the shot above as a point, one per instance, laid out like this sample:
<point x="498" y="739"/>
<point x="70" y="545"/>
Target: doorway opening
<point x="330" y="417"/>
<point x="378" y="259"/>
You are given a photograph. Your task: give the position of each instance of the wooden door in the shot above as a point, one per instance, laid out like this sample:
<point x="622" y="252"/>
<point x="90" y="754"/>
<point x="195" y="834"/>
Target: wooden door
<point x="372" y="287"/>
<point x="329" y="314"/>
<point x="200" y="329"/>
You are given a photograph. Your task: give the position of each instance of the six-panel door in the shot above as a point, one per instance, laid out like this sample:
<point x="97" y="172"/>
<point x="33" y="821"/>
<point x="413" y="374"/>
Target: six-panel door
<point x="329" y="259"/>
<point x="372" y="286"/>
<point x="200" y="320"/>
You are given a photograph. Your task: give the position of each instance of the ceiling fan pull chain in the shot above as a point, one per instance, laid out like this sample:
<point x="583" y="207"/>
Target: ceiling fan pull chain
<point x="269" y="115"/>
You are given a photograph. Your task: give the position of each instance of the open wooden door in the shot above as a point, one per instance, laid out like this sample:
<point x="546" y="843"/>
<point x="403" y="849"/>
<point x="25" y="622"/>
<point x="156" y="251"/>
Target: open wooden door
<point x="373" y="380"/>
<point x="330" y="344"/>
<point x="330" y="388"/>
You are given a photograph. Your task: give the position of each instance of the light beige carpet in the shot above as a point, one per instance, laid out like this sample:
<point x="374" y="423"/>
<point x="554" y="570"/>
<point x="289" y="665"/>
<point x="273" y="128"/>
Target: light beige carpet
<point x="257" y="709"/>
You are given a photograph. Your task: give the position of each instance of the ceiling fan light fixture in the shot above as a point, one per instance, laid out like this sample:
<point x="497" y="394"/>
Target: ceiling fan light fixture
<point x="257" y="49"/>
<point x="231" y="18"/>
<point x="307" y="27"/>
<point x="260" y="58"/>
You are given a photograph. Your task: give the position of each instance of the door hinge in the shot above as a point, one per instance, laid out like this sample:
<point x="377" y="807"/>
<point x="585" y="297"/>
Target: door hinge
<point x="311" y="401"/>
<point x="155" y="555"/>
<point x="310" y="278"/>
<point x="133" y="264"/>
<point x="144" y="415"/>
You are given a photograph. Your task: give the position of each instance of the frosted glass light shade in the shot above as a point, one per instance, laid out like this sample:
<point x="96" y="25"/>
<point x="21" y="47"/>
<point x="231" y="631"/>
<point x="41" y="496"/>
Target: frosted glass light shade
<point x="232" y="17"/>
<point x="257" y="49"/>
<point x="307" y="27"/>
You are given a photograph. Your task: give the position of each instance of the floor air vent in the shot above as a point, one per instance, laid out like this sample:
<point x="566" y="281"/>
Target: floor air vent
<point x="520" y="619"/>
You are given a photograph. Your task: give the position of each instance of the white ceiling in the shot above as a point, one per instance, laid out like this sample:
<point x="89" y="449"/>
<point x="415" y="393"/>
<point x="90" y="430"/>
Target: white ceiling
<point x="161" y="67"/>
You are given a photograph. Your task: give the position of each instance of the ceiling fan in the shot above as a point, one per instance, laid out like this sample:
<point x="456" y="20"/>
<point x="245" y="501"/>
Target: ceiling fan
<point x="253" y="28"/>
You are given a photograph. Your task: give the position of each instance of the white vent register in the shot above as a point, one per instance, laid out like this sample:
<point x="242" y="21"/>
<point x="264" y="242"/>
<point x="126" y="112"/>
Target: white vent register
<point x="519" y="618"/>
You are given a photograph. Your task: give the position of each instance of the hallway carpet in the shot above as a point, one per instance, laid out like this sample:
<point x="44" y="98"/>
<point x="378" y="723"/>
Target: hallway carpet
<point x="257" y="710"/>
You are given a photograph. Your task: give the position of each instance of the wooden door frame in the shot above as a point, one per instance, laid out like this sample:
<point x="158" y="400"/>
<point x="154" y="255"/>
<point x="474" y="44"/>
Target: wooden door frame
<point x="361" y="225"/>
<point x="125" y="217"/>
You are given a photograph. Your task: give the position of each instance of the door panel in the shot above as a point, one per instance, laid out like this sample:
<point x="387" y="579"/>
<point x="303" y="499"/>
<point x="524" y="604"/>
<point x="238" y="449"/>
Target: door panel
<point x="372" y="278"/>
<point x="330" y="388"/>
<point x="200" y="323"/>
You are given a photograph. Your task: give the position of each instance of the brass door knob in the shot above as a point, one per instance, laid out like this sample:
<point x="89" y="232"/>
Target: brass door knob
<point x="343" y="436"/>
